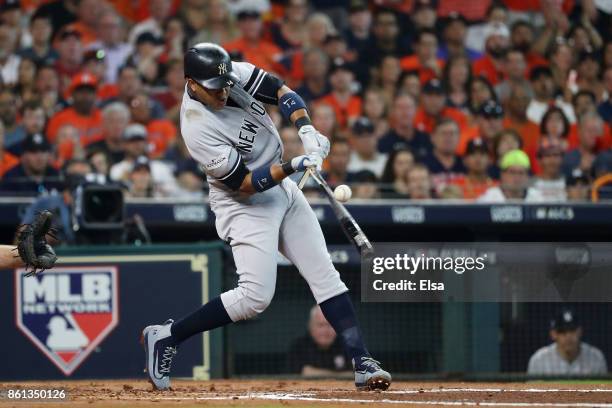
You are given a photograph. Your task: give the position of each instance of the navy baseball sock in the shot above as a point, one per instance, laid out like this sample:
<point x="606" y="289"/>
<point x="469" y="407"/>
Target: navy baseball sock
<point x="340" y="314"/>
<point x="208" y="317"/>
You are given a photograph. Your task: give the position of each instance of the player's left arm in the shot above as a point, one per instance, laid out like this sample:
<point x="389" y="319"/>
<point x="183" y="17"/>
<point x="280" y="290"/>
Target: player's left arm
<point x="270" y="89"/>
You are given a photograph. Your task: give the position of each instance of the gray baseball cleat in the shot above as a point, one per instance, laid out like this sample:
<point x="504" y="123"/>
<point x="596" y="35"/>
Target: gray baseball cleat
<point x="159" y="352"/>
<point x="369" y="376"/>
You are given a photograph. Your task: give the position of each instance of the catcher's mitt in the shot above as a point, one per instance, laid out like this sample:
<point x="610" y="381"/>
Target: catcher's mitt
<point x="32" y="244"/>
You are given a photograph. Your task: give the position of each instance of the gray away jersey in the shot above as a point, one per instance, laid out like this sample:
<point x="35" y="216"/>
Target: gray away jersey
<point x="221" y="140"/>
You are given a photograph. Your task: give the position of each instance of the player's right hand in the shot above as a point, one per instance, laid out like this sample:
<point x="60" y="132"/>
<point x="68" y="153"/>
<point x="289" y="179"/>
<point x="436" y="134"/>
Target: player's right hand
<point x="313" y="141"/>
<point x="301" y="163"/>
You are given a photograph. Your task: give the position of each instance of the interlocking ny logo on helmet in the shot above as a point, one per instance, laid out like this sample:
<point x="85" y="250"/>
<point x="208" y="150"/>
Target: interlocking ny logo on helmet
<point x="222" y="68"/>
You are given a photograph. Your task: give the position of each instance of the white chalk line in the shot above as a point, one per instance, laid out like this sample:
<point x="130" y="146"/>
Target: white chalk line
<point x="534" y="390"/>
<point x="308" y="397"/>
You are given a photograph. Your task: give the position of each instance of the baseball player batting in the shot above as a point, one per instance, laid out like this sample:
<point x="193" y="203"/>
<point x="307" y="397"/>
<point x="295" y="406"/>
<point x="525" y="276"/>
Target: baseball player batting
<point x="258" y="209"/>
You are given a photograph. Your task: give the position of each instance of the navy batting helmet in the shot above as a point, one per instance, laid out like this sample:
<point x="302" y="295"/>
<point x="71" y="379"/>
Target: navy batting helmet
<point x="209" y="65"/>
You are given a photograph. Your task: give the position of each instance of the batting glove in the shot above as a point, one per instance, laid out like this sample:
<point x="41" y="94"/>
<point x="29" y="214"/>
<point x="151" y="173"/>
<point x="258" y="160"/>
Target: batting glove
<point x="313" y="141"/>
<point x="301" y="163"/>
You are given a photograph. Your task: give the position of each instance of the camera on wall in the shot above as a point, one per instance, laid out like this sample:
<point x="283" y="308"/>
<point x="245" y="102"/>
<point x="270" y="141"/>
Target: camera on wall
<point x="98" y="215"/>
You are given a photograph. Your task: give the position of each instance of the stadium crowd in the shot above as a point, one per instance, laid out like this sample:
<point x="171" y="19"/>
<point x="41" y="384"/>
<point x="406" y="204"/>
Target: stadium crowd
<point x="421" y="99"/>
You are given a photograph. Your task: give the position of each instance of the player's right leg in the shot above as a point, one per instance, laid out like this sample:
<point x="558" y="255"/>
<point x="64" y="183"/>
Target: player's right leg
<point x="254" y="242"/>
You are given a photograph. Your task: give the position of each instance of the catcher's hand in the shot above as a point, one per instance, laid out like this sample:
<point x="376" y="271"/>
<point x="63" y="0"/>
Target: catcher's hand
<point x="32" y="245"/>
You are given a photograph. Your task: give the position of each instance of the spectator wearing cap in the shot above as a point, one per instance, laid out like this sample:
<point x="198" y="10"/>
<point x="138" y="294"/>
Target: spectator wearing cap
<point x="135" y="145"/>
<point x="9" y="60"/>
<point x="346" y="104"/>
<point x="160" y="10"/>
<point x="443" y="164"/>
<point x="365" y="156"/>
<point x="522" y="38"/>
<point x="543" y="86"/>
<point x="491" y="64"/>
<point x="358" y="33"/>
<point x="605" y="107"/>
<point x="403" y="133"/>
<point x="7" y="160"/>
<point x="386" y="39"/>
<point x="590" y="130"/>
<point x="139" y="179"/>
<point x="515" y="69"/>
<point x="110" y="36"/>
<point x="40" y="51"/>
<point x="251" y="43"/>
<point x="424" y="60"/>
<point x="34" y="175"/>
<point x="497" y="13"/>
<point x="82" y="113"/>
<point x="315" y="83"/>
<point x="161" y="132"/>
<point x="489" y="121"/>
<point x="577" y="186"/>
<point x="433" y="108"/>
<point x="568" y="355"/>
<point x="476" y="162"/>
<point x="365" y="185"/>
<point x="503" y="142"/>
<point x="514" y="181"/>
<point x="115" y="118"/>
<point x="453" y="35"/>
<point x="551" y="181"/>
<point x="70" y="50"/>
<point x="337" y="161"/>
<point x="33" y="121"/>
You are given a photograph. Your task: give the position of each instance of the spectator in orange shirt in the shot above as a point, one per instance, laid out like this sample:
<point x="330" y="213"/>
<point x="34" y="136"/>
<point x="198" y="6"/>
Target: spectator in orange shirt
<point x="424" y="60"/>
<point x="433" y="108"/>
<point x="70" y="49"/>
<point x="476" y="162"/>
<point x="516" y="117"/>
<point x="88" y="15"/>
<point x="522" y="38"/>
<point x="7" y="160"/>
<point x="347" y="105"/>
<point x="489" y="121"/>
<point x="497" y="42"/>
<point x="252" y="46"/>
<point x="161" y="133"/>
<point x="82" y="114"/>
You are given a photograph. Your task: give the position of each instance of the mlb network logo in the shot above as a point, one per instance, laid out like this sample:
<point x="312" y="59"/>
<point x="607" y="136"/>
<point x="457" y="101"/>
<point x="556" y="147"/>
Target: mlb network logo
<point x="66" y="312"/>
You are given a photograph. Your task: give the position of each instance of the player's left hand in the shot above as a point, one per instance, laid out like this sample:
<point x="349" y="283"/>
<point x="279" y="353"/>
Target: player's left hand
<point x="313" y="141"/>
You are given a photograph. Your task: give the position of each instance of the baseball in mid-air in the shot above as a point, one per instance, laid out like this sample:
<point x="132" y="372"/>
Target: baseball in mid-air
<point x="343" y="193"/>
